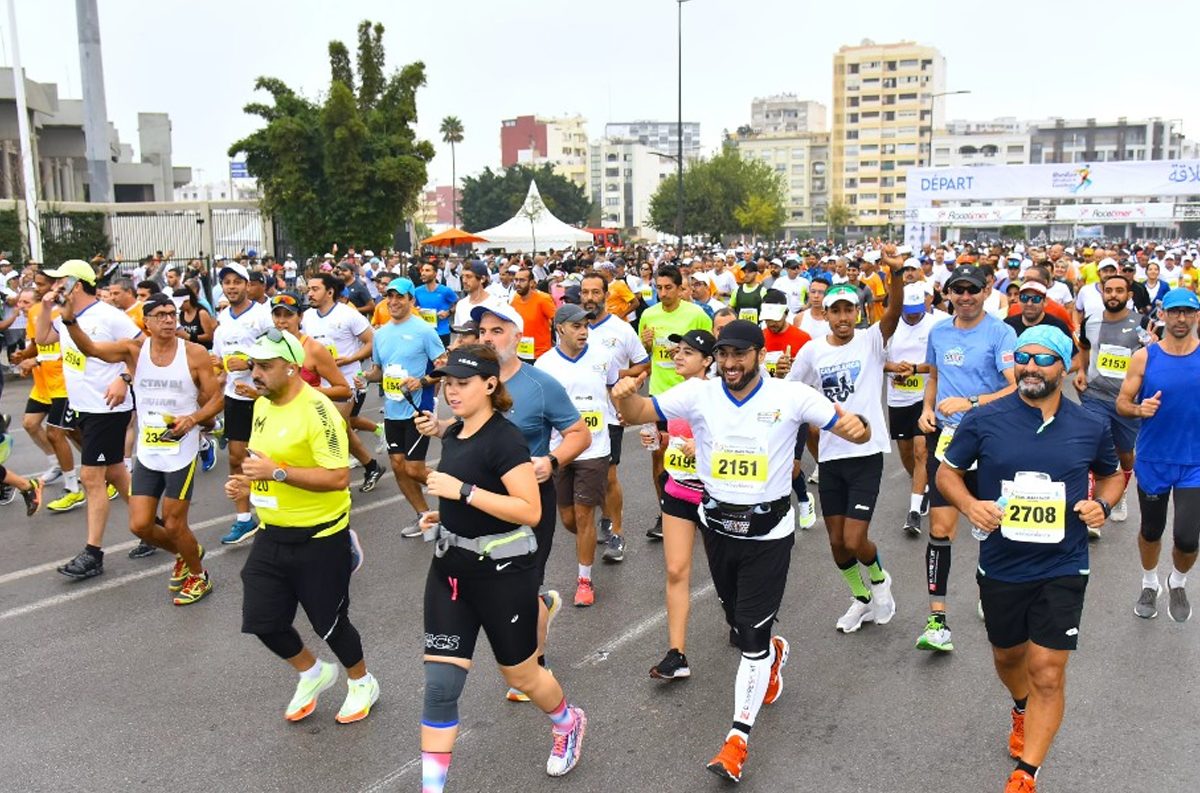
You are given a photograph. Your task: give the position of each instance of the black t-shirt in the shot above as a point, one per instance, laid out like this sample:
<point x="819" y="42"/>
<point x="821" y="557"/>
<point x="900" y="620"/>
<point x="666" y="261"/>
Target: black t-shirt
<point x="1017" y="323"/>
<point x="482" y="460"/>
<point x="357" y="294"/>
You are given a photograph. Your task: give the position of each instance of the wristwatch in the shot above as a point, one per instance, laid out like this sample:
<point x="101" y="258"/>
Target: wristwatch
<point x="974" y="400"/>
<point x="1104" y="505"/>
<point x="465" y="492"/>
<point x="128" y="380"/>
<point x="279" y="474"/>
<point x="553" y="463"/>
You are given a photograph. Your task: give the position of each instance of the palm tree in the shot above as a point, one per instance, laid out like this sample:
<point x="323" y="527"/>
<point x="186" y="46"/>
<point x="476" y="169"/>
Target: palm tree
<point x="452" y="133"/>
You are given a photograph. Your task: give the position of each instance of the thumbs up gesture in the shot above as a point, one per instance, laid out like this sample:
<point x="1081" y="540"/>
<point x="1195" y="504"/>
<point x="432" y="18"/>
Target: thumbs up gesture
<point x="1149" y="406"/>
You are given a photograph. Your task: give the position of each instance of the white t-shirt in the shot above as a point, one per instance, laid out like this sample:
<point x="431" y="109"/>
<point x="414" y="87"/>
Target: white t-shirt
<point x="586" y="380"/>
<point x="615" y="337"/>
<point x="851" y="375"/>
<point x="1090" y="301"/>
<point x="816" y="328"/>
<point x="909" y="343"/>
<point x="744" y="450"/>
<point x="1060" y="293"/>
<point x="88" y="378"/>
<point x="726" y="282"/>
<point x="462" y="309"/>
<point x="796" y="290"/>
<point x="501" y="292"/>
<point x="1170" y="275"/>
<point x="338" y="331"/>
<point x="234" y="336"/>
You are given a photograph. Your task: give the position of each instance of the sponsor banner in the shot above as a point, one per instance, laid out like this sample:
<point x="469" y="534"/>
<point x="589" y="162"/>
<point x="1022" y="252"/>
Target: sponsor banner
<point x="1069" y="180"/>
<point x="970" y="216"/>
<point x="1114" y="213"/>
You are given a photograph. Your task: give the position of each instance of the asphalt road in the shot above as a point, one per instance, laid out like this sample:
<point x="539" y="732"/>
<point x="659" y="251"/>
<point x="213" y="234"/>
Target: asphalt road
<point x="108" y="687"/>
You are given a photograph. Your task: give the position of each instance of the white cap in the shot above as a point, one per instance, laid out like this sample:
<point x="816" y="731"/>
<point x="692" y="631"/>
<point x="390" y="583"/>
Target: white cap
<point x="705" y="278"/>
<point x="911" y="262"/>
<point x="840" y="293"/>
<point x="501" y="310"/>
<point x="773" y="311"/>
<point x="914" y="298"/>
<point x="368" y="254"/>
<point x="236" y="269"/>
<point x="1107" y="261"/>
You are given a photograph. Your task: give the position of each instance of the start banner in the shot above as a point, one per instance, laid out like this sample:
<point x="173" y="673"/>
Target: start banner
<point x="1071" y="180"/>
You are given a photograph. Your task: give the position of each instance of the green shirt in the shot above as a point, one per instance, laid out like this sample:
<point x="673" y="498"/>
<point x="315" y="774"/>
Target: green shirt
<point x="685" y="317"/>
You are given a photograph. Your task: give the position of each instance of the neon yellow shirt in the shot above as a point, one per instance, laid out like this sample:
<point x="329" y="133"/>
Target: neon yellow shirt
<point x="684" y="318"/>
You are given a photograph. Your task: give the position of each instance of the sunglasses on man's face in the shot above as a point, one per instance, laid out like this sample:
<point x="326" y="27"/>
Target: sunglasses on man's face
<point x="966" y="290"/>
<point x="1035" y="299"/>
<point x="1042" y="359"/>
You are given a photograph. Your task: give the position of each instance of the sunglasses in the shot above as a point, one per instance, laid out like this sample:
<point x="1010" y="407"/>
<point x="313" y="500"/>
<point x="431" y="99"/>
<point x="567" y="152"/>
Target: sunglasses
<point x="1035" y="299"/>
<point x="275" y="335"/>
<point x="1042" y="359"/>
<point x="284" y="300"/>
<point x="966" y="290"/>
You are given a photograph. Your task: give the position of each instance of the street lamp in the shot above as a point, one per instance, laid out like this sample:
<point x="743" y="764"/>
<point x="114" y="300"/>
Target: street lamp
<point x="932" y="100"/>
<point x="679" y="150"/>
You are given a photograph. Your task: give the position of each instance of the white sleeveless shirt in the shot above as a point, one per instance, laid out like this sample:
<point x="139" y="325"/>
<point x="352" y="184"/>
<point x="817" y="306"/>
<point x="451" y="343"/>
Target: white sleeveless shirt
<point x="164" y="393"/>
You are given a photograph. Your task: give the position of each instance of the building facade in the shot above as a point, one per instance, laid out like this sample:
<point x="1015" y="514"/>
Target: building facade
<point x="658" y="135"/>
<point x="1059" y="140"/>
<point x="883" y="114"/>
<point x="534" y="141"/>
<point x="622" y="178"/>
<point x="785" y="114"/>
<point x="802" y="161"/>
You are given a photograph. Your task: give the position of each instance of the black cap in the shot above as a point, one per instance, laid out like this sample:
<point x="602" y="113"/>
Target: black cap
<point x="256" y="275"/>
<point x="156" y="300"/>
<point x="479" y="269"/>
<point x="969" y="273"/>
<point x="741" y="335"/>
<point x="699" y="340"/>
<point x="461" y="364"/>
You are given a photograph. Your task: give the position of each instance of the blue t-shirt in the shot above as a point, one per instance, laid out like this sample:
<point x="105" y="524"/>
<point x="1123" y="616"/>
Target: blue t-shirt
<point x="440" y="299"/>
<point x="412" y="344"/>
<point x="1007" y="436"/>
<point x="970" y="362"/>
<point x="540" y="403"/>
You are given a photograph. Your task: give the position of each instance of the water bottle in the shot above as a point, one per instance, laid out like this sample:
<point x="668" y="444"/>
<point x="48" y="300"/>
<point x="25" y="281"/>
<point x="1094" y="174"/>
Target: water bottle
<point x="979" y="533"/>
<point x="649" y="433"/>
<point x="1144" y="337"/>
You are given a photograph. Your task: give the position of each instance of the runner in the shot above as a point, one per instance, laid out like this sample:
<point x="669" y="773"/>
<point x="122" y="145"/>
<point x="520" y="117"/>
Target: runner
<point x="1034" y="451"/>
<point x="1160" y="390"/>
<point x="812" y="319"/>
<point x="99" y="397"/>
<point x="347" y="335"/>
<point x="174" y="384"/>
<point x="847" y="366"/>
<point x="475" y="278"/>
<point x="435" y="302"/>
<point x="747" y="299"/>
<point x="536" y="309"/>
<point x="485" y="573"/>
<point x="298" y="481"/>
<point x="970" y="364"/>
<point x="905" y="390"/>
<point x="402" y="354"/>
<point x="48" y="403"/>
<point x="238" y="326"/>
<point x="745" y="431"/>
<point x="318" y="368"/>
<point x="586" y="372"/>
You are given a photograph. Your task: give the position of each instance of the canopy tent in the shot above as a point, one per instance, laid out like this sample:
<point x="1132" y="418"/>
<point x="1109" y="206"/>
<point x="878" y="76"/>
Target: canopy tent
<point x="451" y="237"/>
<point x="533" y="227"/>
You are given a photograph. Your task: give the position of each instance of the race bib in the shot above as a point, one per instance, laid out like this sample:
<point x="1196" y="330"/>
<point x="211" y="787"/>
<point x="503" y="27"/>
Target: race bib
<point x="234" y="353"/>
<point x="591" y="412"/>
<point x="664" y="353"/>
<point x="74" y="359"/>
<point x="525" y="347"/>
<point x="678" y="464"/>
<point x="261" y="494"/>
<point x="1113" y="360"/>
<point x="394" y="376"/>
<point x="429" y="315"/>
<point x="772" y="361"/>
<point x="748" y="314"/>
<point x="1035" y="510"/>
<point x="159" y="440"/>
<point x="739" y="464"/>
<point x="647" y="293"/>
<point x="49" y="352"/>
<point x="912" y="383"/>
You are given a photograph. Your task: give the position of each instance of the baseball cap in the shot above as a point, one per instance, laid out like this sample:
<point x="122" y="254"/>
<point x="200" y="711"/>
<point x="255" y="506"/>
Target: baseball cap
<point x="236" y="269"/>
<point x="401" y="286"/>
<point x="287" y="301"/>
<point x="741" y="335"/>
<point x="700" y="340"/>
<point x="479" y="269"/>
<point x="914" y="299"/>
<point x="606" y="266"/>
<point x="501" y="310"/>
<point x="1034" y="286"/>
<point x="257" y="275"/>
<point x="911" y="263"/>
<point x="462" y="364"/>
<point x="514" y="269"/>
<point x="1049" y="337"/>
<point x="1181" y="298"/>
<point x="277" y="343"/>
<point x="840" y="294"/>
<point x="704" y="278"/>
<point x="468" y="328"/>
<point x="1106" y="262"/>
<point x="773" y="311"/>
<point x="74" y="268"/>
<point x="156" y="300"/>
<point x="569" y="312"/>
<point x="969" y="273"/>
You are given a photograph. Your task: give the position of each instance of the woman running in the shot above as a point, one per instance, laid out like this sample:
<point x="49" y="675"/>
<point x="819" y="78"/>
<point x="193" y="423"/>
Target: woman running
<point x="318" y="369"/>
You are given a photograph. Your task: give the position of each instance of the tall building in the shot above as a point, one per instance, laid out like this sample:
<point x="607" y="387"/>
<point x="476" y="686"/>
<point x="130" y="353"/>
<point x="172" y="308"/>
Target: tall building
<point x="784" y="113"/>
<point x="658" y="135"/>
<point x="1087" y="140"/>
<point x="623" y="176"/>
<point x="884" y="111"/>
<point x="534" y="140"/>
<point x="802" y="160"/>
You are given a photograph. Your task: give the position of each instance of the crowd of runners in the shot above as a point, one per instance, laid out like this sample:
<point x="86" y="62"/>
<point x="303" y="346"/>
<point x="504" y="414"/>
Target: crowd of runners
<point x="728" y="365"/>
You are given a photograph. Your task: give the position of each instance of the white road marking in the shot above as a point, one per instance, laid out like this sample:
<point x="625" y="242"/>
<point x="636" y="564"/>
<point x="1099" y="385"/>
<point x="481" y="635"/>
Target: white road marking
<point x="601" y="653"/>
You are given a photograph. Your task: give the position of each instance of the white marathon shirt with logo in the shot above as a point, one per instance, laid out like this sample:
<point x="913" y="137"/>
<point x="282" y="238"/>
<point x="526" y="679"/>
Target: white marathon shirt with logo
<point x="165" y="393"/>
<point x="910" y="343"/>
<point x="852" y="376"/>
<point x="88" y="378"/>
<point x="620" y="341"/>
<point x="462" y="309"/>
<point x="338" y="330"/>
<point x="586" y="380"/>
<point x="233" y="338"/>
<point x="744" y="449"/>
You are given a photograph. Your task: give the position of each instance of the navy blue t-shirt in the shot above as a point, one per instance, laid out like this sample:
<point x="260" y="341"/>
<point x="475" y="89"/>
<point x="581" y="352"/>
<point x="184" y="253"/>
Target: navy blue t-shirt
<point x="1007" y="436"/>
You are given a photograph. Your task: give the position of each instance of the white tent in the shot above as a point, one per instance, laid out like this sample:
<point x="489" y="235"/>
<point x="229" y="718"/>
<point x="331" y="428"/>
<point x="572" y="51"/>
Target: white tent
<point x="533" y="227"/>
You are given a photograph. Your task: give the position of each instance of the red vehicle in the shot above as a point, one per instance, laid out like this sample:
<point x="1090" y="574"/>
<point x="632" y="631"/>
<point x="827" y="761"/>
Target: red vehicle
<point x="606" y="238"/>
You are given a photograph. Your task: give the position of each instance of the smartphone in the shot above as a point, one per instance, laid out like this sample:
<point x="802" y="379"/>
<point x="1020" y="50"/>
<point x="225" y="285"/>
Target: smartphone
<point x="68" y="285"/>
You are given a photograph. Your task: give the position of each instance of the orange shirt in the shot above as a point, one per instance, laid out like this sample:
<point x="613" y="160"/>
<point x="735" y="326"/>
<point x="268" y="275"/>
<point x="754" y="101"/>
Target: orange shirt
<point x="619" y="301"/>
<point x="875" y="283"/>
<point x="537" y="310"/>
<point x="381" y="316"/>
<point x="134" y="312"/>
<point x="48" y="380"/>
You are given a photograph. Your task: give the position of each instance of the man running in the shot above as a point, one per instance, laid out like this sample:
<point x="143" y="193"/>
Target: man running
<point x="744" y="426"/>
<point x="586" y="372"/>
<point x="475" y="278"/>
<point x="177" y="391"/>
<point x="1160" y="389"/>
<point x="1034" y="451"/>
<point x="970" y="364"/>
<point x="435" y="302"/>
<point x="48" y="403"/>
<point x="847" y="366"/>
<point x="536" y="309"/>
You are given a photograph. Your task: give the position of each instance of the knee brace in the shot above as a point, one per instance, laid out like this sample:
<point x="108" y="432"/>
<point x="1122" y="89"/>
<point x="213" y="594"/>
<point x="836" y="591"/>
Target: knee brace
<point x="754" y="642"/>
<point x="443" y="686"/>
<point x="1154" y="515"/>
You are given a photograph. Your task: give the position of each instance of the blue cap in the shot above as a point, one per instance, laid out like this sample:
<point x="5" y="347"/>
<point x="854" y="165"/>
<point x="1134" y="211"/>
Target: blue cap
<point x="401" y="286"/>
<point x="1181" y="298"/>
<point x="1049" y="337"/>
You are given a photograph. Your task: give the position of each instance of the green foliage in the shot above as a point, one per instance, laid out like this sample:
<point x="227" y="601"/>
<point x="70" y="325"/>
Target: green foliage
<point x="75" y="235"/>
<point x="1012" y="232"/>
<point x="493" y="197"/>
<point x="452" y="133"/>
<point x="12" y="241"/>
<point x="838" y="216"/>
<point x="715" y="191"/>
<point x="348" y="170"/>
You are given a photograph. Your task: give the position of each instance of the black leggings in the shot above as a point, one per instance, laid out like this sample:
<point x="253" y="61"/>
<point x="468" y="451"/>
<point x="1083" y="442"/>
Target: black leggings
<point x="1187" y="517"/>
<point x="344" y="641"/>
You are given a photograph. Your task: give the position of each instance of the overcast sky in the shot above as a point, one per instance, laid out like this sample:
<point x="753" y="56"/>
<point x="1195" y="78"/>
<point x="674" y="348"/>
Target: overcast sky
<point x="609" y="61"/>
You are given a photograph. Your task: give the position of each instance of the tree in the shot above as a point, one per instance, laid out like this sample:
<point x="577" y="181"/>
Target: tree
<point x="72" y="235"/>
<point x="347" y="170"/>
<point x="714" y="191"/>
<point x="493" y="197"/>
<point x="452" y="133"/>
<point x="838" y="216"/>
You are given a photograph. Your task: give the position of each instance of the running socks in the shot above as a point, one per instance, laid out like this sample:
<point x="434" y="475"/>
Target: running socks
<point x="914" y="502"/>
<point x="937" y="567"/>
<point x="753" y="675"/>
<point x="434" y="766"/>
<point x="312" y="673"/>
<point x="242" y="517"/>
<point x="875" y="569"/>
<point x="1150" y="579"/>
<point x="585" y="571"/>
<point x="1177" y="580"/>
<point x="1032" y="770"/>
<point x="857" y="587"/>
<point x="563" y="717"/>
<point x="1019" y="705"/>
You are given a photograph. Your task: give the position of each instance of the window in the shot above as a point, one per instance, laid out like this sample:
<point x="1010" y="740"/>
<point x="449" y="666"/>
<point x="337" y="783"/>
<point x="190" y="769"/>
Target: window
<point x="852" y="68"/>
<point x="818" y="169"/>
<point x="865" y="197"/>
<point x="1016" y="149"/>
<point x="614" y="172"/>
<point x="908" y="63"/>
<point x="612" y="202"/>
<point x="797" y="214"/>
<point x="798" y="154"/>
<point x="908" y="97"/>
<point x="886" y="199"/>
<point x="868" y="163"/>
<point x="887" y="181"/>
<point x="798" y="168"/>
<point x="851" y="134"/>
<point x="869" y="180"/>
<point x="871" y="116"/>
<point x="870" y="148"/>
<point x="889" y="115"/>
<point x="818" y="186"/>
<point x="612" y="157"/>
<point x="797" y="184"/>
<point x="628" y="158"/>
<point x="852" y="118"/>
<point x="851" y="151"/>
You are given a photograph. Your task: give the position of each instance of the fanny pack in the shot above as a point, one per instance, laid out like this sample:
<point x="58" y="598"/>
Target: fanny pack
<point x="293" y="535"/>
<point x="743" y="520"/>
<point x="508" y="545"/>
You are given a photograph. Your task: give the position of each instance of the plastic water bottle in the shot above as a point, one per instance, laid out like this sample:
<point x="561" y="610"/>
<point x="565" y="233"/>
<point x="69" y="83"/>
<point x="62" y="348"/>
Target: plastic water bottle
<point x="979" y="533"/>
<point x="1144" y="337"/>
<point x="649" y="433"/>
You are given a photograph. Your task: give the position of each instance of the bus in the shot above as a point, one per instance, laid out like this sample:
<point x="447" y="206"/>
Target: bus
<point x="606" y="238"/>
